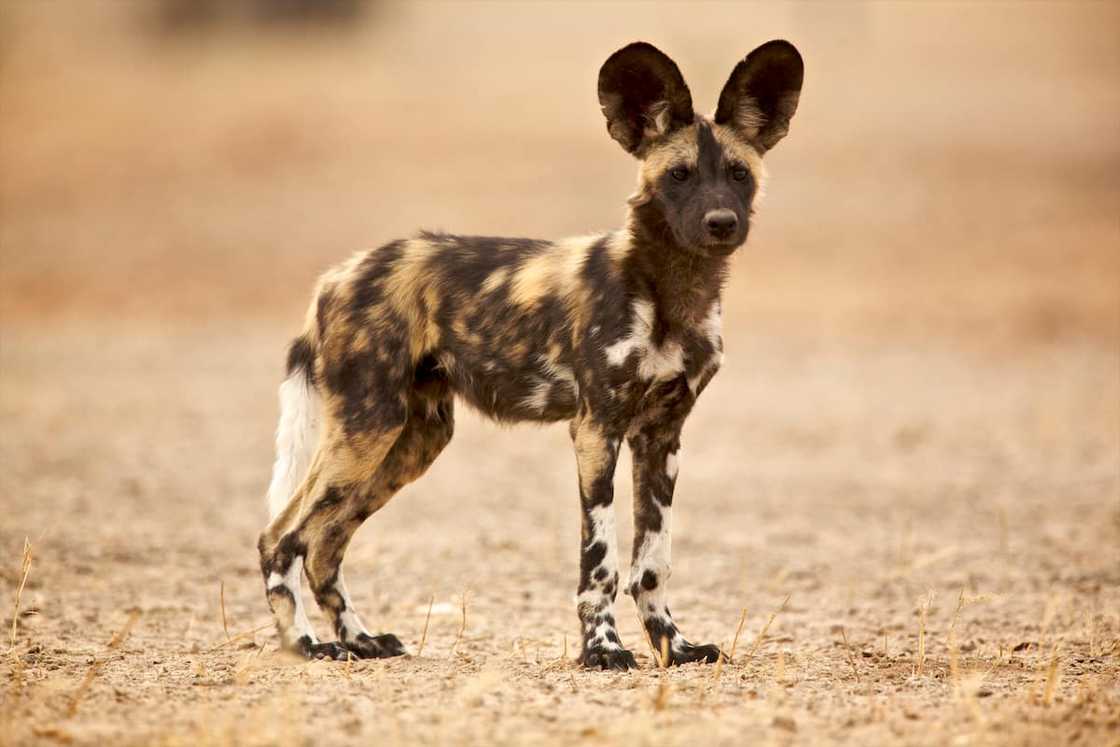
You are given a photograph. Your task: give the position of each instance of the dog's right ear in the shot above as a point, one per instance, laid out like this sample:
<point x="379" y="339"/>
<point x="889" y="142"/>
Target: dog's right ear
<point x="643" y="95"/>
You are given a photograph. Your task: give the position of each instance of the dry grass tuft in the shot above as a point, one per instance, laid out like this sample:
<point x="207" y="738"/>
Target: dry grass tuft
<point x="1053" y="675"/>
<point x="222" y="606"/>
<point x="765" y="628"/>
<point x="717" y="671"/>
<point x="738" y="632"/>
<point x="923" y="615"/>
<point x="121" y="635"/>
<point x="427" y="622"/>
<point x="239" y="636"/>
<point x="462" y="623"/>
<point x="24" y="572"/>
<point x="664" y="688"/>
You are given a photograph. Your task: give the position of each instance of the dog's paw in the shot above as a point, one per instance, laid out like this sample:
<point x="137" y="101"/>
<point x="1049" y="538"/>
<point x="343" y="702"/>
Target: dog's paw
<point x="598" y="657"/>
<point x="375" y="646"/>
<point x="332" y="650"/>
<point x="687" y="653"/>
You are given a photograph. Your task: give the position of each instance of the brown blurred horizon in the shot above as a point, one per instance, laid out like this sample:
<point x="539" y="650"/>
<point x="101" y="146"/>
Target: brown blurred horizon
<point x="952" y="167"/>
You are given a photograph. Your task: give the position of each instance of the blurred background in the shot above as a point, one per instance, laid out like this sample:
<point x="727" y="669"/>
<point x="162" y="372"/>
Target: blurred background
<point x="953" y="167"/>
<point x="921" y="393"/>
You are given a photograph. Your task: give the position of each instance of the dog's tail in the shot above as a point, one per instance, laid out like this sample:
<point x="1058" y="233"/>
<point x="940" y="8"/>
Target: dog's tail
<point x="297" y="434"/>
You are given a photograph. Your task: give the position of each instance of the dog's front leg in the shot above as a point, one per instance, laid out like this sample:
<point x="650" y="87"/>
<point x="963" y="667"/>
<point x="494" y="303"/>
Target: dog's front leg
<point x="654" y="446"/>
<point x="596" y="454"/>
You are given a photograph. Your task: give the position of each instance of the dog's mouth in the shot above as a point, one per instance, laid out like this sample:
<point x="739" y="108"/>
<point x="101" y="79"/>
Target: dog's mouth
<point x="707" y="245"/>
<point x="722" y="247"/>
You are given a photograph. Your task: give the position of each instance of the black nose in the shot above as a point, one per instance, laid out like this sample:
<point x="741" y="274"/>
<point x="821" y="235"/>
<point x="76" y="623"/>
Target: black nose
<point x="721" y="223"/>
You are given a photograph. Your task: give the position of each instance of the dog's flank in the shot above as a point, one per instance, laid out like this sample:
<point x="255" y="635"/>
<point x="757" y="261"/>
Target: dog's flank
<point x="616" y="333"/>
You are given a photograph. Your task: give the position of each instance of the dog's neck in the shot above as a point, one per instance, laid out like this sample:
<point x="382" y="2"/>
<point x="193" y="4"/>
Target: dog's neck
<point x="682" y="283"/>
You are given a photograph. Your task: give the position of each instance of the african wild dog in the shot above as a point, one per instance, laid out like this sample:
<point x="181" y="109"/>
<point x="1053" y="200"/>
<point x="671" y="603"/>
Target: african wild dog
<point x="616" y="333"/>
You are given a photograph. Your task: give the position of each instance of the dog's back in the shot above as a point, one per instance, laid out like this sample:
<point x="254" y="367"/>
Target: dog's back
<point x="507" y="323"/>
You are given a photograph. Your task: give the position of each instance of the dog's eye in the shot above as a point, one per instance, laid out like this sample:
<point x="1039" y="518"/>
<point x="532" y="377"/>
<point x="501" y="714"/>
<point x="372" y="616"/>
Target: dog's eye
<point x="680" y="173"/>
<point x="739" y="174"/>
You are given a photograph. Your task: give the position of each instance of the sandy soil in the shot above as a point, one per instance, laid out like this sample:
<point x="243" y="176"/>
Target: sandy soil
<point x="907" y="474"/>
<point x="814" y="472"/>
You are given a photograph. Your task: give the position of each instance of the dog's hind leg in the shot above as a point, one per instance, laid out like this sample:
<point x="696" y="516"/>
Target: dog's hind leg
<point x="293" y="474"/>
<point x="428" y="428"/>
<point x="312" y="532"/>
<point x="283" y="551"/>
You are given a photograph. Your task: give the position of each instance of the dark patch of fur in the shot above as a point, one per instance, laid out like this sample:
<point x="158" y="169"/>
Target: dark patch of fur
<point x="632" y="83"/>
<point x="592" y="556"/>
<point x="301" y="358"/>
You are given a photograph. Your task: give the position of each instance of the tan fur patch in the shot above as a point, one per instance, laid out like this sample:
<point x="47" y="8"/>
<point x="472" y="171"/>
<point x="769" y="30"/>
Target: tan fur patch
<point x="618" y="246"/>
<point x="554" y="271"/>
<point x="463" y="332"/>
<point x="592" y="452"/>
<point x="414" y="276"/>
<point x="737" y="148"/>
<point x="494" y="280"/>
<point x="362" y="341"/>
<point x="679" y="148"/>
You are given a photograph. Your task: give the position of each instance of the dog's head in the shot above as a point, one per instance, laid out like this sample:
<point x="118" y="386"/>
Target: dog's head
<point x="699" y="176"/>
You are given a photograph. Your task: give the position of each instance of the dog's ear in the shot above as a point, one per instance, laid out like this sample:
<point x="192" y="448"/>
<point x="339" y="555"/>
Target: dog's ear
<point x="761" y="95"/>
<point x="643" y="95"/>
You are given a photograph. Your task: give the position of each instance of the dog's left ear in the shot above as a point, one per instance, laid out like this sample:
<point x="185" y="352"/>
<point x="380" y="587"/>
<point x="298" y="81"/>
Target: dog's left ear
<point x="643" y="95"/>
<point x="761" y="95"/>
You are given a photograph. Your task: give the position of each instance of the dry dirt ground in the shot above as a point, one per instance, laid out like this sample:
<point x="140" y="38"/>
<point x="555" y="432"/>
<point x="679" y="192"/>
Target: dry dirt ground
<point x="905" y="481"/>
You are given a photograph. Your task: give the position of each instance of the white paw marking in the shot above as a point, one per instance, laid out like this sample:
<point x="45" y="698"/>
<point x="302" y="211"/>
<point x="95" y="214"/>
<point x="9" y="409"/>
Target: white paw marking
<point x="301" y="626"/>
<point x="352" y="625"/>
<point x="603" y="530"/>
<point x="654" y="554"/>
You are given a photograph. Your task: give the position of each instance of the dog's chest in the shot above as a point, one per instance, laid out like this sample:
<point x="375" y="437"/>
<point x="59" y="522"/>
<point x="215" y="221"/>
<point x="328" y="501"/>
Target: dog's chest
<point x="648" y="353"/>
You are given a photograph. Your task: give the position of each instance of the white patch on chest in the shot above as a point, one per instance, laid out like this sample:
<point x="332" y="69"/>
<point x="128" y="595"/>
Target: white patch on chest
<point x="663" y="362"/>
<point x="654" y="362"/>
<point x="638" y="338"/>
<point x="712" y="329"/>
<point x="713" y="326"/>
